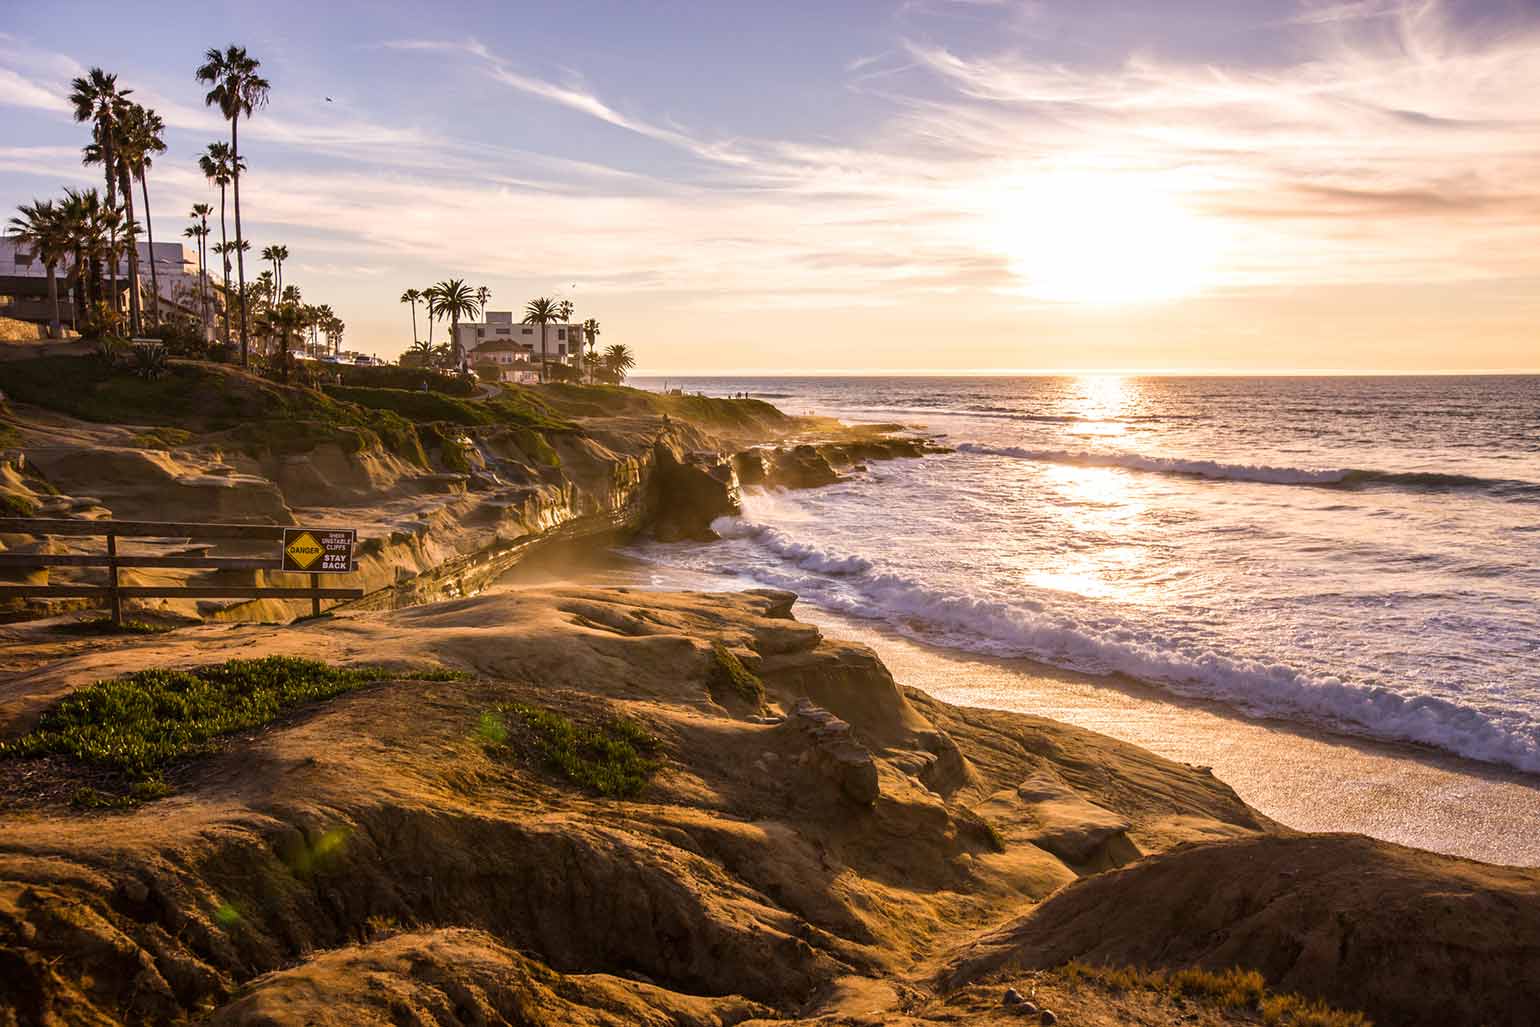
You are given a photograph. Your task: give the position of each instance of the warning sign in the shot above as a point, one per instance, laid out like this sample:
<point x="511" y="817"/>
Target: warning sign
<point x="318" y="550"/>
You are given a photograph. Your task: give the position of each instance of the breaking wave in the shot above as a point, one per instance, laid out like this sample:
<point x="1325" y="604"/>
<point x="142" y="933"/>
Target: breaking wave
<point x="847" y="584"/>
<point x="1427" y="481"/>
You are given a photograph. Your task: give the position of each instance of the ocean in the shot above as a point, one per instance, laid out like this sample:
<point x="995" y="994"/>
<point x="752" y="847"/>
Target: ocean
<point x="1359" y="554"/>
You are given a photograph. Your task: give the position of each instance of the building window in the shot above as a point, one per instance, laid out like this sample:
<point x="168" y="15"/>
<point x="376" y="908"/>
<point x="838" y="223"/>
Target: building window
<point x="561" y="351"/>
<point x="561" y="333"/>
<point x="502" y="331"/>
<point x="527" y="331"/>
<point x="481" y="333"/>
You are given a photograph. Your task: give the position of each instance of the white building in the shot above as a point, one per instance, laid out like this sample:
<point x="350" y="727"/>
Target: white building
<point x="518" y="350"/>
<point x="24" y="280"/>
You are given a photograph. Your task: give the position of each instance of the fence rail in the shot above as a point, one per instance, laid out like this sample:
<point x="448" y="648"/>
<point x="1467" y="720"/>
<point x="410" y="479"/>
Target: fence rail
<point x="113" y="561"/>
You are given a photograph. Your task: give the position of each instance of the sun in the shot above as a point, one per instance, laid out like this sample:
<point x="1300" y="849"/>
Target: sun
<point x="1103" y="239"/>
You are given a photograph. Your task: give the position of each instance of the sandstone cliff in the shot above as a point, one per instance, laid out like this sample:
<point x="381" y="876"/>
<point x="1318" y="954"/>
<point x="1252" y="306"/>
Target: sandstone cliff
<point x="814" y="841"/>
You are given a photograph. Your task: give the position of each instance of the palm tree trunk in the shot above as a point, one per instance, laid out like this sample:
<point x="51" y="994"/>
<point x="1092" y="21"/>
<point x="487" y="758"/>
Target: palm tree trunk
<point x="55" y="327"/>
<point x="240" y="256"/>
<point x="112" y="204"/>
<point x="414" y="322"/>
<point x="203" y="278"/>
<point x="224" y="259"/>
<point x="149" y="231"/>
<point x="135" y="314"/>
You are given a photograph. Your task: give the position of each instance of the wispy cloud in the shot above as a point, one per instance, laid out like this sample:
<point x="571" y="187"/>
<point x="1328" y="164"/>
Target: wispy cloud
<point x="578" y="99"/>
<point x="1395" y="150"/>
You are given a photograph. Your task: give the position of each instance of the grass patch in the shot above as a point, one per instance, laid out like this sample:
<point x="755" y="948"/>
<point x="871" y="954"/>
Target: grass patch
<point x="161" y="438"/>
<point x="416" y="405"/>
<point x="199" y="397"/>
<point x="1233" y="989"/>
<point x="728" y="675"/>
<point x="534" y="445"/>
<point x="745" y="415"/>
<point x="137" y="724"/>
<point x="614" y="758"/>
<point x="12" y="505"/>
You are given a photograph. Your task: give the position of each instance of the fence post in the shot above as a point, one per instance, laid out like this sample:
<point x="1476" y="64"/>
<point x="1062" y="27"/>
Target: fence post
<point x="315" y="600"/>
<point x="112" y="579"/>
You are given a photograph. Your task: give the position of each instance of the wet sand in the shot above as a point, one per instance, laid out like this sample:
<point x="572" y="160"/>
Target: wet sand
<point x="1306" y="778"/>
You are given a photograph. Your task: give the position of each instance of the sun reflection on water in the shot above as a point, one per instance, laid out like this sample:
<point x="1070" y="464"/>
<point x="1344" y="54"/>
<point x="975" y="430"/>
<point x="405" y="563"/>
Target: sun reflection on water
<point x="1097" y="501"/>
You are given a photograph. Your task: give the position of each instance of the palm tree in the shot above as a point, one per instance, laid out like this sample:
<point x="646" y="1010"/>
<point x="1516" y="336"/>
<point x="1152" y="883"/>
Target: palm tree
<point x="42" y="226"/>
<point x="281" y="323"/>
<point x="412" y="296"/>
<point x="454" y="299"/>
<point x="591" y="336"/>
<point x="617" y="361"/>
<point x="142" y="138"/>
<point x="218" y="166"/>
<point x="283" y="256"/>
<point x="81" y="213"/>
<point x="237" y="89"/>
<point x="423" y="350"/>
<point x="482" y="295"/>
<point x="541" y="311"/>
<point x="97" y="99"/>
<point x="270" y="254"/>
<point x="199" y="230"/>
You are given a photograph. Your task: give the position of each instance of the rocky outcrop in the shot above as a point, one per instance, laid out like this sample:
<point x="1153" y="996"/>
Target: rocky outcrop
<point x="692" y="489"/>
<point x="1408" y="936"/>
<point x="835" y="754"/>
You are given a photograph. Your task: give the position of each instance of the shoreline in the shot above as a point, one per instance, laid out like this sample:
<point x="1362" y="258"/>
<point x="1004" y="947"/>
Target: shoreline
<point x="1307" y="778"/>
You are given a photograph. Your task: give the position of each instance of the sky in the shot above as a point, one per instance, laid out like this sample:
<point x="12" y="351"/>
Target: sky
<point x="914" y="185"/>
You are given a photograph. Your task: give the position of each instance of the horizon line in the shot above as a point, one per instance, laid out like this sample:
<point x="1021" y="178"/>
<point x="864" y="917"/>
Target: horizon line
<point x="1083" y="372"/>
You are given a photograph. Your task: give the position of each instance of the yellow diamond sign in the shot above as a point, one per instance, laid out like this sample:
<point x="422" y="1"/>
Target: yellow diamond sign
<point x="303" y="551"/>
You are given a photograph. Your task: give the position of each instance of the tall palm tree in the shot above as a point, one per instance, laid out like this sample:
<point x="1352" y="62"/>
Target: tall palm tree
<point x="454" y="300"/>
<point x="283" y="257"/>
<point x="270" y="254"/>
<point x="482" y="295"/>
<point x="430" y="300"/>
<point x="42" y="226"/>
<point x="591" y="337"/>
<point x="617" y="361"/>
<point x="143" y="137"/>
<point x="542" y="311"/>
<point x="79" y="216"/>
<point x="97" y="99"/>
<point x="412" y="296"/>
<point x="218" y="166"/>
<point x="236" y="89"/>
<point x="198" y="231"/>
<point x="324" y="316"/>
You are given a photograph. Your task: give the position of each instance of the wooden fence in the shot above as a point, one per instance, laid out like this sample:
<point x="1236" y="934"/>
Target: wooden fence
<point x="115" y="593"/>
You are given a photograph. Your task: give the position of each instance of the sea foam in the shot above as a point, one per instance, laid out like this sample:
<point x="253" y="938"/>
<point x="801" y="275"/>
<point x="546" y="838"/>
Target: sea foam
<point x="1023" y="628"/>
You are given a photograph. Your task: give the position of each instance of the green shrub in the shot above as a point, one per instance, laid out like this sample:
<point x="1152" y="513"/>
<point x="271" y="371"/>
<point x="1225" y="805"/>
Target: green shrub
<point x="12" y="505"/>
<point x="535" y="446"/>
<point x="729" y="675"/>
<point x="136" y="724"/>
<point x="397" y="377"/>
<point x="161" y="438"/>
<point x="614" y="758"/>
